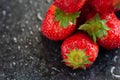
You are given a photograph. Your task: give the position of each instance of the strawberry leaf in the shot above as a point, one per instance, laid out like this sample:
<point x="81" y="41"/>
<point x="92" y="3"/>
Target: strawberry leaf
<point x="66" y="19"/>
<point x="77" y="58"/>
<point x="95" y="27"/>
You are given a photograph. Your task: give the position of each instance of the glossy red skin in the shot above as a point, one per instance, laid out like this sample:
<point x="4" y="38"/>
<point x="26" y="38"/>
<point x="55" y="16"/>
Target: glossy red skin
<point x="112" y="40"/>
<point x="69" y="6"/>
<point x="83" y="42"/>
<point x="51" y="29"/>
<point x="102" y="6"/>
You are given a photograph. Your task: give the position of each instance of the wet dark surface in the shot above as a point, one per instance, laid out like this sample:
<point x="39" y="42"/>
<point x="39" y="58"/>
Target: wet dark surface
<point x="26" y="55"/>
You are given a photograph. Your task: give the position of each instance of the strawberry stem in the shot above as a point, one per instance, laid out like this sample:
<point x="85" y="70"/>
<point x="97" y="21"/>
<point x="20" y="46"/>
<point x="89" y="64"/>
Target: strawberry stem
<point x="77" y="59"/>
<point x="66" y="18"/>
<point x="96" y="28"/>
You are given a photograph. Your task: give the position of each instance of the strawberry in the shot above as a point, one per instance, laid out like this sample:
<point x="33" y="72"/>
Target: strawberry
<point x="69" y="6"/>
<point x="79" y="51"/>
<point x="58" y="25"/>
<point x="102" y="6"/>
<point x="104" y="29"/>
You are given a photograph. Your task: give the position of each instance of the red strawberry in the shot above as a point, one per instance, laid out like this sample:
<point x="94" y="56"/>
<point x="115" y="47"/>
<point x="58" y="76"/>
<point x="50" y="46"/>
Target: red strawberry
<point x="69" y="6"/>
<point x="58" y="25"/>
<point x="79" y="51"/>
<point x="102" y="6"/>
<point x="106" y="30"/>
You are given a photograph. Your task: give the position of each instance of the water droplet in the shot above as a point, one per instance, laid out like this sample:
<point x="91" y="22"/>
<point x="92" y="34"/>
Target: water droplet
<point x="4" y="12"/>
<point x="31" y="32"/>
<point x="36" y="38"/>
<point x="30" y="43"/>
<point x="112" y="72"/>
<point x="39" y="16"/>
<point x="48" y="1"/>
<point x="15" y="39"/>
<point x="7" y="27"/>
<point x="21" y="39"/>
<point x="26" y="21"/>
<point x="3" y="36"/>
<point x="26" y="46"/>
<point x="14" y="63"/>
<point x="53" y="68"/>
<point x="31" y="57"/>
<point x="23" y="29"/>
<point x="37" y="26"/>
<point x="20" y="1"/>
<point x="25" y="64"/>
<point x="19" y="47"/>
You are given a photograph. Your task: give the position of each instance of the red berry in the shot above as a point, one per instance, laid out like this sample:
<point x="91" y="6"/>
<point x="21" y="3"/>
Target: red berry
<point x="79" y="51"/>
<point x="58" y="25"/>
<point x="69" y="6"/>
<point x="104" y="29"/>
<point x="102" y="6"/>
<point x="112" y="40"/>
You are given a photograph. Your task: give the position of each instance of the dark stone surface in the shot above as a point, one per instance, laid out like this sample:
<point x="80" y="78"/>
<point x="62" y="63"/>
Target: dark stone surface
<point x="26" y="55"/>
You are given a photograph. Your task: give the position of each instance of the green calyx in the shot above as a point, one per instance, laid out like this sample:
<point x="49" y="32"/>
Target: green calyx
<point x="96" y="28"/>
<point x="66" y="18"/>
<point x="77" y="59"/>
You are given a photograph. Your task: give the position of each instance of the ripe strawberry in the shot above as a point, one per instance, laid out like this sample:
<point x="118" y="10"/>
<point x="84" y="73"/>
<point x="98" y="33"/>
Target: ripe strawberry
<point x="106" y="30"/>
<point x="69" y="6"/>
<point x="58" y="25"/>
<point x="79" y="51"/>
<point x="102" y="6"/>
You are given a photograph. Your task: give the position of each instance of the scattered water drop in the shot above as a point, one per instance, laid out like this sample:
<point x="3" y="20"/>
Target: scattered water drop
<point x="48" y="1"/>
<point x="21" y="39"/>
<point x="20" y="1"/>
<point x="3" y="36"/>
<point x="36" y="38"/>
<point x="30" y="43"/>
<point x="26" y="46"/>
<point x="4" y="12"/>
<point x="25" y="64"/>
<point x="23" y="29"/>
<point x="31" y="32"/>
<point x="13" y="63"/>
<point x="37" y="26"/>
<point x="19" y="47"/>
<point x="26" y="21"/>
<point x="35" y="4"/>
<point x="15" y="39"/>
<point x="39" y="16"/>
<point x="112" y="72"/>
<point x="53" y="68"/>
<point x="115" y="58"/>
<point x="7" y="27"/>
<point x="31" y="57"/>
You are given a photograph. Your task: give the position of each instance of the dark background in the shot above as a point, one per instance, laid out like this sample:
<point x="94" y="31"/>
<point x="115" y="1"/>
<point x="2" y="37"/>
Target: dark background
<point x="26" y="55"/>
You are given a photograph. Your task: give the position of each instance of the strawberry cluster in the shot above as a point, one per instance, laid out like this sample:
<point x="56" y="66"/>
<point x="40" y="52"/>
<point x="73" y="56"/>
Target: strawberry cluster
<point x="83" y="25"/>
